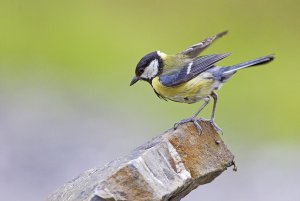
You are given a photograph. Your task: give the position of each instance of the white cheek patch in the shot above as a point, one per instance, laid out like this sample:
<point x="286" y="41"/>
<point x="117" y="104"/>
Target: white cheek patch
<point x="151" y="70"/>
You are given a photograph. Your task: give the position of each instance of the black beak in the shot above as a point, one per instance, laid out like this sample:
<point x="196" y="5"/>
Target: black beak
<point x="134" y="80"/>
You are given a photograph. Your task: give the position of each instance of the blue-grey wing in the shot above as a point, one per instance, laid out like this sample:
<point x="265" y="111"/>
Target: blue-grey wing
<point x="191" y="69"/>
<point x="196" y="49"/>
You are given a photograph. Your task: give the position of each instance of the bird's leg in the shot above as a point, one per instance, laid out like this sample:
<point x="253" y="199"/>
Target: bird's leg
<point x="194" y="117"/>
<point x="212" y="118"/>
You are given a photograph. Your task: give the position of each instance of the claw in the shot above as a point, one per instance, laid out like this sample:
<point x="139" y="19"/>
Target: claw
<point x="199" y="129"/>
<point x="219" y="130"/>
<point x="193" y="119"/>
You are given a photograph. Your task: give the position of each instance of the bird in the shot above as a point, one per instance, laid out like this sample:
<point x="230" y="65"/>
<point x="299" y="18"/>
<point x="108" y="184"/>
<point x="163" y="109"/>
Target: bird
<point x="188" y="77"/>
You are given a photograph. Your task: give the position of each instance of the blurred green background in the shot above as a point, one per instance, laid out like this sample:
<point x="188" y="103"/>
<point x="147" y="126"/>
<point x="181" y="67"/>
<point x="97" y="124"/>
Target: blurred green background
<point x="66" y="104"/>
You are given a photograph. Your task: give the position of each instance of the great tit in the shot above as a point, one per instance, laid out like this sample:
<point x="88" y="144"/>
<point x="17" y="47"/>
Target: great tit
<point x="187" y="77"/>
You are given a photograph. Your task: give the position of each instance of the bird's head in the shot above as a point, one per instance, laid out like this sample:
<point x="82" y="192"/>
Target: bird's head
<point x="150" y="66"/>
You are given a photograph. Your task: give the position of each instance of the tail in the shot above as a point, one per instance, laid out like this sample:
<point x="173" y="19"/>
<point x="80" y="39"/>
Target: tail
<point x="230" y="70"/>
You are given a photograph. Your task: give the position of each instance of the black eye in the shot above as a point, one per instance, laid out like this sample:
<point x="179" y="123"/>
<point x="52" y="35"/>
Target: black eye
<point x="141" y="70"/>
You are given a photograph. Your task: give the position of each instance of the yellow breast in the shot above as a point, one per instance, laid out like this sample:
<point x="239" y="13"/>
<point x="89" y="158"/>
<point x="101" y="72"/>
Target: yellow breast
<point x="189" y="92"/>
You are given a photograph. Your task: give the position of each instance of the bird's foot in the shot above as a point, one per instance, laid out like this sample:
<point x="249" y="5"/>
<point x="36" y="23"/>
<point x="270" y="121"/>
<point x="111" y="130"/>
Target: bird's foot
<point x="218" y="129"/>
<point x="192" y="119"/>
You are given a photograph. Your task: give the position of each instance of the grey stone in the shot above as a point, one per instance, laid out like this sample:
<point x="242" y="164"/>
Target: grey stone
<point x="166" y="168"/>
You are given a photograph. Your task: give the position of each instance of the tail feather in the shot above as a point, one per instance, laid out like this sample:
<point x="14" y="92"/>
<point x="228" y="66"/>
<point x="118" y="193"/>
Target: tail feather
<point x="254" y="62"/>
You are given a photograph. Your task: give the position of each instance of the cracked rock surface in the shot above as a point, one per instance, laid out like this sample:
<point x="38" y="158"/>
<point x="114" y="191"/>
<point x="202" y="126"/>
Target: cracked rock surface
<point x="166" y="168"/>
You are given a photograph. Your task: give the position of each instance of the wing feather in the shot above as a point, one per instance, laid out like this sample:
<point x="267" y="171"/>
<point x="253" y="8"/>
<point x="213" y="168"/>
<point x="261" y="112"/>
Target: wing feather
<point x="191" y="70"/>
<point x="196" y="49"/>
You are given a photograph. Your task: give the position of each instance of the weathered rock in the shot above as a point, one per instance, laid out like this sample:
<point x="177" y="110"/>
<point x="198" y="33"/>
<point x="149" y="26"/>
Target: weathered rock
<point x="165" y="168"/>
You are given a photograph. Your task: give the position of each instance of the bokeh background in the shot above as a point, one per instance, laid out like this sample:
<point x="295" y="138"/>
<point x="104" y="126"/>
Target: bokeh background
<point x="66" y="104"/>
